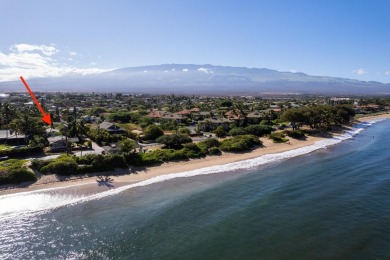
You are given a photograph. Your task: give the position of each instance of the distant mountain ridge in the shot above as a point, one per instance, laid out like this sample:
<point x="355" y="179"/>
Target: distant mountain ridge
<point x="203" y="79"/>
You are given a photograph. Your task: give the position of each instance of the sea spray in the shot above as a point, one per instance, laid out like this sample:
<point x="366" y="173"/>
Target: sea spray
<point x="39" y="201"/>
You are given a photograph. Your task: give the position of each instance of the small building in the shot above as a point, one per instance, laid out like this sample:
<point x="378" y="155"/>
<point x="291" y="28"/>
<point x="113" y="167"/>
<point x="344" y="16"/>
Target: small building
<point x="57" y="143"/>
<point x="112" y="148"/>
<point x="255" y="117"/>
<point x="11" y="138"/>
<point x="212" y="124"/>
<point x="112" y="128"/>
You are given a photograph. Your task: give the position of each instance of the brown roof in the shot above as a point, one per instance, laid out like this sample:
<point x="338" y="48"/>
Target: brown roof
<point x="195" y="109"/>
<point x="156" y="114"/>
<point x="183" y="112"/>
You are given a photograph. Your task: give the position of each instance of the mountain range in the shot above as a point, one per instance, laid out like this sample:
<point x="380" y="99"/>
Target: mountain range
<point x="202" y="79"/>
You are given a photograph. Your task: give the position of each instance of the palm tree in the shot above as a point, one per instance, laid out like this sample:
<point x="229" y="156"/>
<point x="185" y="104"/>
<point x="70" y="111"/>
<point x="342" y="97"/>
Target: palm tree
<point x="81" y="130"/>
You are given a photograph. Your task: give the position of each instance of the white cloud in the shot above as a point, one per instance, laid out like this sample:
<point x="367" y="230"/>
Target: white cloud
<point x="185" y="70"/>
<point x="205" y="70"/>
<point x="48" y="50"/>
<point x="360" y="71"/>
<point x="72" y="53"/>
<point x="387" y="72"/>
<point x="36" y="61"/>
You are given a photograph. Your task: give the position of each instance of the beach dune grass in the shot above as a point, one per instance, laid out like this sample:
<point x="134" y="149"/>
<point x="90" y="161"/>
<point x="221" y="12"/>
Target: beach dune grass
<point x="14" y="171"/>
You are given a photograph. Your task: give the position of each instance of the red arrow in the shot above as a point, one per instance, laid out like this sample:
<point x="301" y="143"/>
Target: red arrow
<point x="46" y="117"/>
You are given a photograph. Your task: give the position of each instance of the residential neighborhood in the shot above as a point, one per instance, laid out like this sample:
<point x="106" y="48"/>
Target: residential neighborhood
<point x="134" y="124"/>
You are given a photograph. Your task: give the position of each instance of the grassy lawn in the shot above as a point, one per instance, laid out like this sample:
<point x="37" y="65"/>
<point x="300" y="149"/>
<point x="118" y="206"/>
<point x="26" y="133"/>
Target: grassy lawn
<point x="11" y="163"/>
<point x="4" y="147"/>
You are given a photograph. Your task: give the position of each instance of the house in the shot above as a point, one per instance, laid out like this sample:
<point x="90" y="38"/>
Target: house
<point x="112" y="128"/>
<point x="184" y="112"/>
<point x="11" y="138"/>
<point x="116" y="148"/>
<point x="255" y="117"/>
<point x="213" y="123"/>
<point x="112" y="148"/>
<point x="164" y="115"/>
<point x="57" y="143"/>
<point x="236" y="117"/>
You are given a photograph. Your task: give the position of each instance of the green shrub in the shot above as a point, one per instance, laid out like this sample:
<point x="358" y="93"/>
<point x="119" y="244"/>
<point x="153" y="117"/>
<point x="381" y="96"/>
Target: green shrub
<point x="38" y="164"/>
<point x="135" y="159"/>
<point x="152" y="132"/>
<point x="220" y="132"/>
<point x="192" y="146"/>
<point x="147" y="159"/>
<point x="174" y="140"/>
<point x="297" y="134"/>
<point x="193" y="153"/>
<point x="184" y="130"/>
<point x="214" y="151"/>
<point x="61" y="165"/>
<point x="205" y="145"/>
<point x="237" y="131"/>
<point x="278" y="137"/>
<point x="240" y="143"/>
<point x="82" y="169"/>
<point x="179" y="155"/>
<point x="259" y="130"/>
<point x="24" y="151"/>
<point x="17" y="175"/>
<point x="115" y="161"/>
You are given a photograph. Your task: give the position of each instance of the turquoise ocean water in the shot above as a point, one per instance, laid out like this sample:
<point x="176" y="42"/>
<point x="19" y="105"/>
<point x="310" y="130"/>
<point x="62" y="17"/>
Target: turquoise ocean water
<point x="333" y="203"/>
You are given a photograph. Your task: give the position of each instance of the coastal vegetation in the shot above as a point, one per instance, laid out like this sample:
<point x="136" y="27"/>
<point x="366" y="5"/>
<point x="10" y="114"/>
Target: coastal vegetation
<point x="14" y="171"/>
<point x="318" y="116"/>
<point x="175" y="127"/>
<point x="240" y="143"/>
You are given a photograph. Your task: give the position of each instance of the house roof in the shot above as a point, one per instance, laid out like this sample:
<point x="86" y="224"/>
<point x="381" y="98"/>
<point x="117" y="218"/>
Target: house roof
<point x="156" y="114"/>
<point x="55" y="139"/>
<point x="110" y="126"/>
<point x="184" y="112"/>
<point x="10" y="135"/>
<point x="172" y="116"/>
<point x="195" y="109"/>
<point x="255" y="114"/>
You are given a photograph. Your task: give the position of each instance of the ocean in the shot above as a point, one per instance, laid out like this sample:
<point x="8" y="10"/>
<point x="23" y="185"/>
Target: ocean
<point x="327" y="201"/>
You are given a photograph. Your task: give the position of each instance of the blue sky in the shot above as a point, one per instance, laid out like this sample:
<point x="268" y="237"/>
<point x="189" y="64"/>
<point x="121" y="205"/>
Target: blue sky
<point x="329" y="37"/>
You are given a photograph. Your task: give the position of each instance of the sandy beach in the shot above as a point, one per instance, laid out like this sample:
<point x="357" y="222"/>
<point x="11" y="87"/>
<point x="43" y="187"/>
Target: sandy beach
<point x="97" y="182"/>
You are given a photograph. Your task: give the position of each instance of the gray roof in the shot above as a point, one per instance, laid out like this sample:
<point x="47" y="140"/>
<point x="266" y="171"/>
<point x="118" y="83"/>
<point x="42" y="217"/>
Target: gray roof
<point x="109" y="126"/>
<point x="56" y="138"/>
<point x="9" y="134"/>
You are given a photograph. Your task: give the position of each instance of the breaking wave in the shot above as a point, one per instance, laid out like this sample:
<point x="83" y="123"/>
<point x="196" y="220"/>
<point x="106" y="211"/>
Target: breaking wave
<point x="32" y="202"/>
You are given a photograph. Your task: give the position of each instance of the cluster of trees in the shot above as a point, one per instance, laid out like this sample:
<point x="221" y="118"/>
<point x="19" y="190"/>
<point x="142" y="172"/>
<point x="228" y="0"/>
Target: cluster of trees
<point x="174" y="140"/>
<point x="23" y="120"/>
<point x="103" y="137"/>
<point x="320" y="116"/>
<point x="124" y="116"/>
<point x="257" y="130"/>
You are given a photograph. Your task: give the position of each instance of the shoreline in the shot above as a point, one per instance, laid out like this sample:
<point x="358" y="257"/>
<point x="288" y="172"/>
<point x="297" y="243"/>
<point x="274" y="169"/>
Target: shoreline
<point x="122" y="177"/>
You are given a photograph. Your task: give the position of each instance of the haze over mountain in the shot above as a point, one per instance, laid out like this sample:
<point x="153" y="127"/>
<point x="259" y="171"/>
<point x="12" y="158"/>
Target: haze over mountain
<point x="202" y="79"/>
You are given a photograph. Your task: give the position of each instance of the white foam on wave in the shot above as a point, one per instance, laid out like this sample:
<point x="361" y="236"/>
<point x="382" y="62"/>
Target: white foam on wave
<point x="37" y="201"/>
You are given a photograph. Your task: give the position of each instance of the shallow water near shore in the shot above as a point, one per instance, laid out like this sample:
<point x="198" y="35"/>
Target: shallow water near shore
<point x="333" y="203"/>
